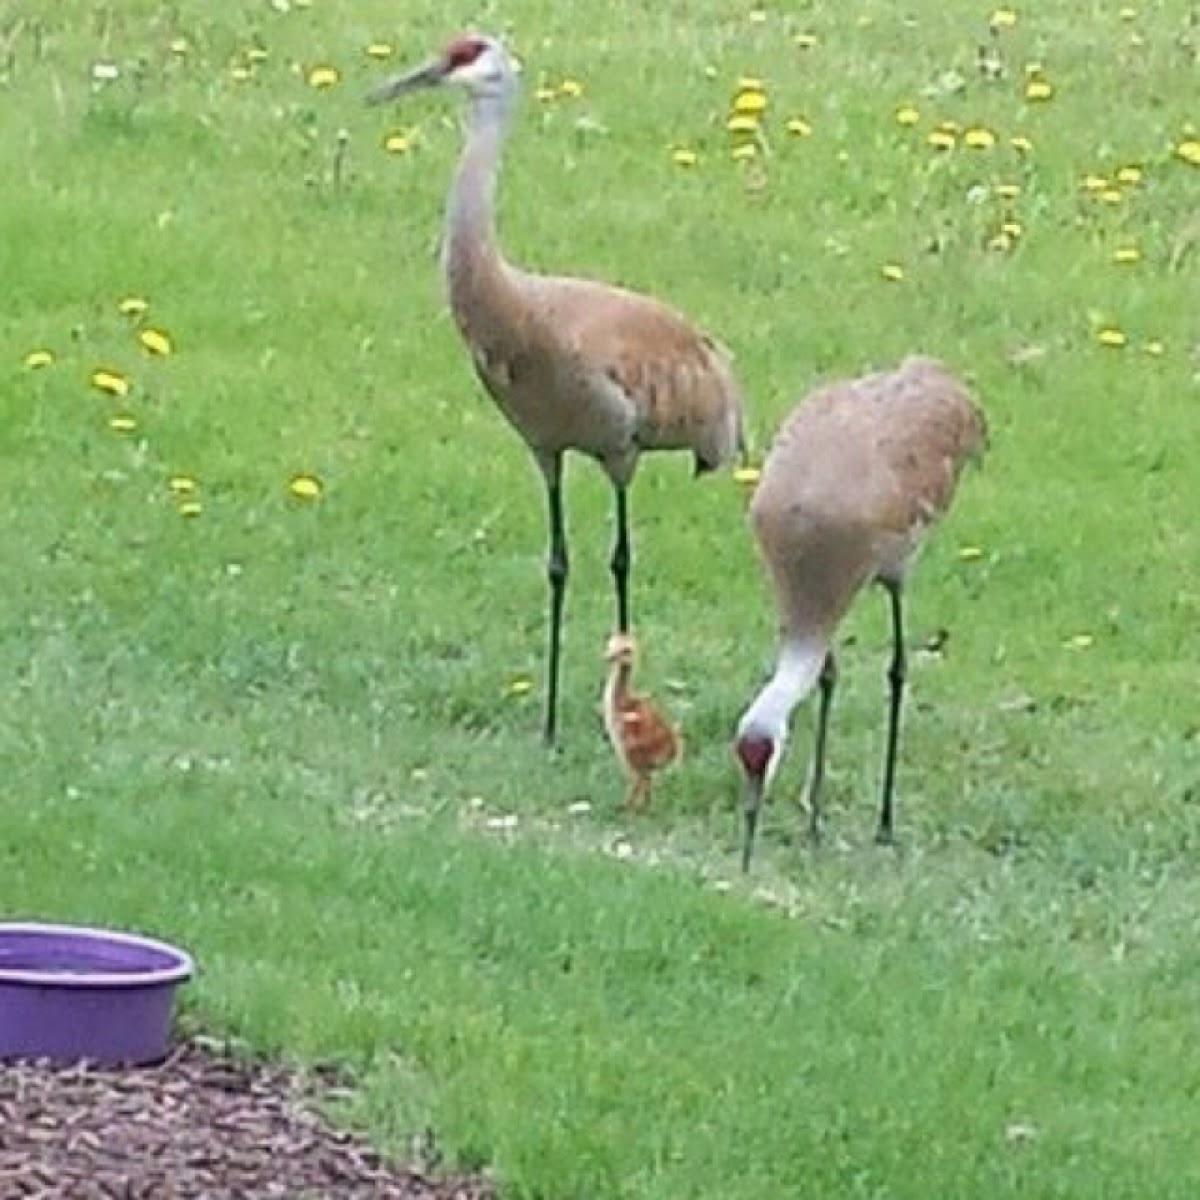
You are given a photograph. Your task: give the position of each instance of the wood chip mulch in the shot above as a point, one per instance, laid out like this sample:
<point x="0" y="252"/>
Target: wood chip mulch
<point x="200" y="1124"/>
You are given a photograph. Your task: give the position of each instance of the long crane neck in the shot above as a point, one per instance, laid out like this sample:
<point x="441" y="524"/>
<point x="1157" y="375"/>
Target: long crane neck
<point x="796" y="674"/>
<point x="470" y="245"/>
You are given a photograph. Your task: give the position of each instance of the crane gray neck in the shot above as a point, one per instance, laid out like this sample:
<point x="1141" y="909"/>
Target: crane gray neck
<point x="470" y="215"/>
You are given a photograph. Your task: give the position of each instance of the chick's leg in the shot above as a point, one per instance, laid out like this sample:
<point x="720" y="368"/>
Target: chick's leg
<point x="639" y="793"/>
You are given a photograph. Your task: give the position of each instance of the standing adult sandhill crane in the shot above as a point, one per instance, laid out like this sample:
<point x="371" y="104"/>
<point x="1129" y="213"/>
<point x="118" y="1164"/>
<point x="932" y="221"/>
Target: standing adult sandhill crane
<point x="857" y="474"/>
<point x="572" y="364"/>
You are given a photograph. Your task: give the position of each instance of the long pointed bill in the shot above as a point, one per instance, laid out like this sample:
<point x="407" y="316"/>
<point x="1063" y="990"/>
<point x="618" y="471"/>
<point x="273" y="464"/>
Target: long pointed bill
<point x="752" y="792"/>
<point x="429" y="75"/>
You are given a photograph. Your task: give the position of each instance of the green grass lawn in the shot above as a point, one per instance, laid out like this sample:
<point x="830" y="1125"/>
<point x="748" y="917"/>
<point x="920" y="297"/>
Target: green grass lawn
<point x="298" y="735"/>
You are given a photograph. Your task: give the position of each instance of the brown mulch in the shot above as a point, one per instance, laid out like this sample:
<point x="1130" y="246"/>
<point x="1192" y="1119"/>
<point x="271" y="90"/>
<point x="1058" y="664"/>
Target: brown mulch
<point x="200" y="1124"/>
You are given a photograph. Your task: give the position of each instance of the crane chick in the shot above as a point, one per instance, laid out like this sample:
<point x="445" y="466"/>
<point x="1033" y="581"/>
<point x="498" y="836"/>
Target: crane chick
<point x="857" y="474"/>
<point x="643" y="740"/>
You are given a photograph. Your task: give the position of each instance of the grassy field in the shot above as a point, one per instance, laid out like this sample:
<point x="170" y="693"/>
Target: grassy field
<point x="300" y="734"/>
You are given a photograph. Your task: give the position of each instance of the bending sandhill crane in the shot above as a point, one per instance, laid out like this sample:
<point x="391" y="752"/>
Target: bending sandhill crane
<point x="857" y="474"/>
<point x="572" y="364"/>
<point x="643" y="740"/>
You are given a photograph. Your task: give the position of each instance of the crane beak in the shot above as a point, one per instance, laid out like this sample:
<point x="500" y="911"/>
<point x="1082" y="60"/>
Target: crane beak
<point x="429" y="75"/>
<point x="752" y="794"/>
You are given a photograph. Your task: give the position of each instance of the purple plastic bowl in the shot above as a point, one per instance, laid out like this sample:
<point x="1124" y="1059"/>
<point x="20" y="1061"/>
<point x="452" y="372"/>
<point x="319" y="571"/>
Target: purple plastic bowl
<point x="69" y="993"/>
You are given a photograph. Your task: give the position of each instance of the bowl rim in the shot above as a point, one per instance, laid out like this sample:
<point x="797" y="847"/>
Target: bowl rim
<point x="182" y="968"/>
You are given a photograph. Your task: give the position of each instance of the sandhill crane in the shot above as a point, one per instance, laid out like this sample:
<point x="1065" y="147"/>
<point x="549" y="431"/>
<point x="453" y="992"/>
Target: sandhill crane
<point x="643" y="740"/>
<point x="573" y="364"/>
<point x="856" y="475"/>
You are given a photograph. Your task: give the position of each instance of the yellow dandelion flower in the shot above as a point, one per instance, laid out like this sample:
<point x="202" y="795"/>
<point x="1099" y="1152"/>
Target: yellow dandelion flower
<point x="179" y="46"/>
<point x="1189" y="151"/>
<point x="1012" y="228"/>
<point x="1039" y="89"/>
<point x="397" y="143"/>
<point x="379" y="50"/>
<point x="122" y="423"/>
<point x="155" y="341"/>
<point x="182" y="485"/>
<point x="756" y="16"/>
<point x="681" y="156"/>
<point x="190" y="508"/>
<point x="571" y="88"/>
<point x="1000" y="241"/>
<point x="1020" y="143"/>
<point x="750" y="103"/>
<point x="893" y="272"/>
<point x="256" y="54"/>
<point x="1130" y="174"/>
<point x="1126" y="254"/>
<point x="751" y="83"/>
<point x="323" y="77"/>
<point x="806" y="41"/>
<point x="1095" y="183"/>
<point x="747" y="475"/>
<point x="1128" y="14"/>
<point x="305" y="487"/>
<point x="521" y="686"/>
<point x="1153" y="347"/>
<point x="1112" y="196"/>
<point x="799" y="127"/>
<point x="544" y="95"/>
<point x="1080" y="641"/>
<point x="907" y="115"/>
<point x="36" y="359"/>
<point x="111" y="382"/>
<point x="132" y="306"/>
<point x="239" y="74"/>
<point x="746" y="151"/>
<point x="1008" y="191"/>
<point x="1111" y="337"/>
<point x="940" y="139"/>
<point x="970" y="553"/>
<point x="741" y="123"/>
<point x="1003" y="18"/>
<point x="950" y="127"/>
<point x="979" y="138"/>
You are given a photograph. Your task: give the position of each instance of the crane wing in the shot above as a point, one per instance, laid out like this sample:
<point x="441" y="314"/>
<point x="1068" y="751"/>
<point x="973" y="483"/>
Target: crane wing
<point x="679" y="381"/>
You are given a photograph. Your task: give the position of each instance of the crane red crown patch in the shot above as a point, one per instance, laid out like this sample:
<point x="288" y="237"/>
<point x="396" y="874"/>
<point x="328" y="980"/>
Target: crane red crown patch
<point x="755" y="753"/>
<point x="464" y="50"/>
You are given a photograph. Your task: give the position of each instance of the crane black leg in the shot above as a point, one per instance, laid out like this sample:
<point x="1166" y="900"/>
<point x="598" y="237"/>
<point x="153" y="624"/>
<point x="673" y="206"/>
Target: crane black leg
<point x="816" y="775"/>
<point x="620" y="559"/>
<point x="897" y="672"/>
<point x="557" y="568"/>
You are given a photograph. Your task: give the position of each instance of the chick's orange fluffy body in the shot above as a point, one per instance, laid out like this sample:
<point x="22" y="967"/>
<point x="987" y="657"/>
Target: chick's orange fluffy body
<point x="643" y="740"/>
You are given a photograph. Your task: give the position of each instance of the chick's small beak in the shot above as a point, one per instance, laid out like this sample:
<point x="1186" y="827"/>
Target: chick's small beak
<point x="752" y="794"/>
<point x="428" y="75"/>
